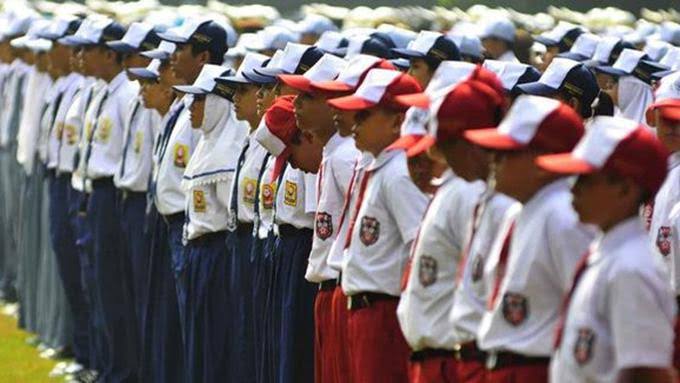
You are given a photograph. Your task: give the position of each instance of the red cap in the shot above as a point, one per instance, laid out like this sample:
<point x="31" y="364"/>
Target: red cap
<point x="379" y="88"/>
<point x="669" y="108"/>
<point x="353" y="75"/>
<point x="278" y="130"/>
<point x="297" y="81"/>
<point x="618" y="146"/>
<point x="533" y="122"/>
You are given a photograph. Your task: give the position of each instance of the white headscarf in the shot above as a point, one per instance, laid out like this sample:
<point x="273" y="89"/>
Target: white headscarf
<point x="217" y="152"/>
<point x="29" y="133"/>
<point x="635" y="96"/>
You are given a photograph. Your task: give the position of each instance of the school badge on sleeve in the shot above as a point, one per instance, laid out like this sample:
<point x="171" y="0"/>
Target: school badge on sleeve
<point x="181" y="155"/>
<point x="324" y="225"/>
<point x="369" y="232"/>
<point x="663" y="240"/>
<point x="515" y="308"/>
<point x="427" y="271"/>
<point x="139" y="139"/>
<point x="291" y="194"/>
<point x="583" y="348"/>
<point x="200" y="204"/>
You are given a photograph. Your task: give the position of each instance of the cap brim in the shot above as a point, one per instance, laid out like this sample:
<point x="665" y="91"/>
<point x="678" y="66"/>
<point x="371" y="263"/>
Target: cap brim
<point x="421" y="146"/>
<point x="233" y="80"/>
<point x="298" y="82"/>
<point x="351" y="103"/>
<point x="332" y="86"/>
<point x="573" y="56"/>
<point x="564" y="163"/>
<point x="419" y="100"/>
<point x="121" y="47"/>
<point x="593" y="63"/>
<point x="258" y="79"/>
<point x="342" y="52"/>
<point x="173" y="38"/>
<point x="408" y="53"/>
<point x="545" y="41"/>
<point x="668" y="108"/>
<point x="270" y="72"/>
<point x="490" y="138"/>
<point x="156" y="54"/>
<point x="406" y="142"/>
<point x="536" y="89"/>
<point x="401" y="63"/>
<point x="190" y="89"/>
<point x="143" y="73"/>
<point x="662" y="74"/>
<point x="610" y="71"/>
<point x="73" y="41"/>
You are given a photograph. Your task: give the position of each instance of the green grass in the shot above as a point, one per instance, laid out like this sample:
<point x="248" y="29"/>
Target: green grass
<point x="19" y="362"/>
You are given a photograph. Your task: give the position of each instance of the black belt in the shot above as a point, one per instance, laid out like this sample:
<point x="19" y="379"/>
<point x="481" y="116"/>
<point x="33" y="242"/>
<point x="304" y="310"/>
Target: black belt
<point x="338" y="281"/>
<point x="469" y="352"/>
<point x="99" y="182"/>
<point x="207" y="237"/>
<point x="244" y="228"/>
<point x="287" y="230"/>
<point x="430" y="353"/>
<point x="327" y="285"/>
<point x="126" y="193"/>
<point x="502" y="359"/>
<point x="363" y="300"/>
<point x="173" y="218"/>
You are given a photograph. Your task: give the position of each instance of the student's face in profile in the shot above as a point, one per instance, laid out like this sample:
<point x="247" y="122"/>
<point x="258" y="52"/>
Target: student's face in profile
<point x="197" y="110"/>
<point x="420" y="71"/>
<point x="306" y="153"/>
<point x="376" y="128"/>
<point x="668" y="132"/>
<point x="245" y="103"/>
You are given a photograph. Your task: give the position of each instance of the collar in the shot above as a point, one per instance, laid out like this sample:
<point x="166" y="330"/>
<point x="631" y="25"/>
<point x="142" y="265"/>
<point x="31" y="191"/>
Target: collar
<point x="384" y="157"/>
<point x="333" y="144"/>
<point x="508" y="56"/>
<point x="616" y="237"/>
<point x="117" y="81"/>
<point x="543" y="194"/>
<point x="447" y="176"/>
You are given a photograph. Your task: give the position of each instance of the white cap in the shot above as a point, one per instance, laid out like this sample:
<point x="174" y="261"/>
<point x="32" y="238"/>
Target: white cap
<point x="251" y="61"/>
<point x="603" y="136"/>
<point x="508" y="72"/>
<point x="670" y="32"/>
<point x="628" y="60"/>
<point x="400" y="37"/>
<point x="327" y="68"/>
<point x="273" y="37"/>
<point x="468" y="44"/>
<point x="522" y="126"/>
<point x="584" y="47"/>
<point x="669" y="87"/>
<point x="604" y="49"/>
<point x="32" y="40"/>
<point x="557" y="71"/>
<point x="330" y="41"/>
<point x="656" y="49"/>
<point x="290" y="59"/>
<point x="205" y="82"/>
<point x="375" y="85"/>
<point x="315" y="24"/>
<point x="500" y="28"/>
<point x="17" y="23"/>
<point x="672" y="58"/>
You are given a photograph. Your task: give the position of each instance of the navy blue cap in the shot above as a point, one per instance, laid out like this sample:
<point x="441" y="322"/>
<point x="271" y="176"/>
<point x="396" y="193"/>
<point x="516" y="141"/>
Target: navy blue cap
<point x="530" y="75"/>
<point x="633" y="63"/>
<point x="58" y="32"/>
<point x="139" y="37"/>
<point x="199" y="32"/>
<point x="297" y="59"/>
<point x="401" y="64"/>
<point x="564" y="75"/>
<point x="430" y="45"/>
<point x="565" y="42"/>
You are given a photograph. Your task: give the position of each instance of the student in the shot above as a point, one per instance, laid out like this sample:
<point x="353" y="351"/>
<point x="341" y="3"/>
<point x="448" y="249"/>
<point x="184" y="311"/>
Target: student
<point x="558" y="40"/>
<point x="597" y="338"/>
<point x="537" y="260"/>
<point x="207" y="180"/>
<point x="249" y="205"/>
<point x="347" y="82"/>
<point x="133" y="170"/>
<point x="315" y="118"/>
<point x="498" y="38"/>
<point x="381" y="228"/>
<point x="429" y="283"/>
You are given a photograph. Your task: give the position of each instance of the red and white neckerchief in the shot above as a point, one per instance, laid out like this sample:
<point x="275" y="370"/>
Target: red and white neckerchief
<point x="581" y="267"/>
<point x="501" y="268"/>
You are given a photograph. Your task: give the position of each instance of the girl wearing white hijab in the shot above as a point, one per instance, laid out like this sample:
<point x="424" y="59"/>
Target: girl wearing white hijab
<point x="207" y="181"/>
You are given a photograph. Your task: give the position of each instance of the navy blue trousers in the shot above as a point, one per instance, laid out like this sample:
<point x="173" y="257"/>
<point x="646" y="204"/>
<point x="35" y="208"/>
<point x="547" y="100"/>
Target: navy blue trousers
<point x="262" y="270"/>
<point x="135" y="242"/>
<point x="180" y="263"/>
<point x="291" y="325"/>
<point x="162" y="359"/>
<point x="63" y="238"/>
<point x="241" y="350"/>
<point x="112" y="285"/>
<point x="207" y="307"/>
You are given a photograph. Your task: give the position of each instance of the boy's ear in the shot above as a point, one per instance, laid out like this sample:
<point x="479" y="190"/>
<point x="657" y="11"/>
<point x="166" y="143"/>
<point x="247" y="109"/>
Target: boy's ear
<point x="204" y="57"/>
<point x="398" y="121"/>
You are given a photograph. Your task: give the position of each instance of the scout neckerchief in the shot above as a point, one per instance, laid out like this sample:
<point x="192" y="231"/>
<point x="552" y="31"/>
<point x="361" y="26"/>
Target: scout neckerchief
<point x="233" y="203"/>
<point x="256" y="218"/>
<point x="501" y="268"/>
<point x="581" y="267"/>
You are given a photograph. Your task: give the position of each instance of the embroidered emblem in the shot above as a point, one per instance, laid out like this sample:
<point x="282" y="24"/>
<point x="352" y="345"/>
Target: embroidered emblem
<point x="290" y="197"/>
<point x="139" y="139"/>
<point x="104" y="130"/>
<point x="515" y="308"/>
<point x="369" y="232"/>
<point x="181" y="155"/>
<point x="199" y="201"/>
<point x="324" y="226"/>
<point x="268" y="196"/>
<point x="249" y="186"/>
<point x="583" y="348"/>
<point x="71" y="135"/>
<point x="427" y="271"/>
<point x="477" y="268"/>
<point x="663" y="240"/>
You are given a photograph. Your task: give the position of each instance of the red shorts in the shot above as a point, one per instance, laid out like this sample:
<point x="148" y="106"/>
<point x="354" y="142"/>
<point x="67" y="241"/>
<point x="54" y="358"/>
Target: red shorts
<point x="438" y="369"/>
<point x="535" y="373"/>
<point x="378" y="350"/>
<point x="324" y="340"/>
<point x="341" y="365"/>
<point x="470" y="372"/>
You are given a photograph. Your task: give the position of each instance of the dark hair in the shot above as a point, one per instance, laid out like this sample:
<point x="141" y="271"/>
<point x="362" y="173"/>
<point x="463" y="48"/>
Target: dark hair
<point x="216" y="58"/>
<point x="584" y="108"/>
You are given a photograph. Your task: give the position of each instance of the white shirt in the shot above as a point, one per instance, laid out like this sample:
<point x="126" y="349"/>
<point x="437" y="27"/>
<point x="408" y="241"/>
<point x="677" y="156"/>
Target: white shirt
<point x="73" y="123"/>
<point x="108" y="128"/>
<point x="296" y="199"/>
<point x="247" y="182"/>
<point x="426" y="302"/>
<point x="169" y="196"/>
<point x="621" y="313"/>
<point x="95" y="97"/>
<point x="337" y="250"/>
<point x="386" y="224"/>
<point x="267" y="195"/>
<point x="14" y="91"/>
<point x="71" y="84"/>
<point x="508" y="56"/>
<point x="546" y="244"/>
<point x="134" y="167"/>
<point x="660" y="232"/>
<point x="478" y="275"/>
<point x="339" y="156"/>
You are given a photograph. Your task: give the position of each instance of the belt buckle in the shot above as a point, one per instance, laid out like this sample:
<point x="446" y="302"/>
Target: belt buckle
<point x="349" y="302"/>
<point x="457" y="351"/>
<point x="491" y="360"/>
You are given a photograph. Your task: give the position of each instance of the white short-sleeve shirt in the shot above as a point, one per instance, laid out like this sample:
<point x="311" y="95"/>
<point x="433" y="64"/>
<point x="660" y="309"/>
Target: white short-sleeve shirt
<point x="547" y="242"/>
<point x="93" y="99"/>
<point x="71" y="84"/>
<point x="621" y="313"/>
<point x="386" y="224"/>
<point x="72" y="122"/>
<point x="660" y="230"/>
<point x="296" y="199"/>
<point x="426" y="301"/>
<point x="478" y="275"/>
<point x="339" y="157"/>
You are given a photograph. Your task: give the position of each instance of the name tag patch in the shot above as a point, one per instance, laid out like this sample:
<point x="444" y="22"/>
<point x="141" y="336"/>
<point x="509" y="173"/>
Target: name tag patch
<point x="268" y="196"/>
<point x="104" y="130"/>
<point x="290" y="197"/>
<point x="200" y="204"/>
<point x="139" y="139"/>
<point x="249" y="186"/>
<point x="181" y="155"/>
